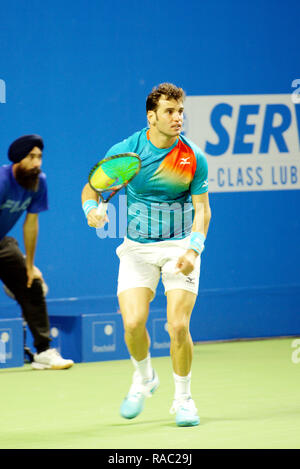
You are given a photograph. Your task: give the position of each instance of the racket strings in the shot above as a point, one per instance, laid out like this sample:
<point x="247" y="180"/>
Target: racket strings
<point x="115" y="172"/>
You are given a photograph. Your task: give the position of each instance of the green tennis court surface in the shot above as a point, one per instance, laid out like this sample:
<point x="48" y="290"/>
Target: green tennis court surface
<point x="247" y="393"/>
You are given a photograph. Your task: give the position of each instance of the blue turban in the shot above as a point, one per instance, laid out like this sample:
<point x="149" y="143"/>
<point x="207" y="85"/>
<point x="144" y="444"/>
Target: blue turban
<point x="20" y="148"/>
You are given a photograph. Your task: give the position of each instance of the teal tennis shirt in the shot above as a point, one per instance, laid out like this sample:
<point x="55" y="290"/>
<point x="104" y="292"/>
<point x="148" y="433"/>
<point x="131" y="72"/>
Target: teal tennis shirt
<point x="159" y="204"/>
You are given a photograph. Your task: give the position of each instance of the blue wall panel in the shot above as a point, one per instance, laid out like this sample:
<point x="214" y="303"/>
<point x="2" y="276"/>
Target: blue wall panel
<point x="78" y="73"/>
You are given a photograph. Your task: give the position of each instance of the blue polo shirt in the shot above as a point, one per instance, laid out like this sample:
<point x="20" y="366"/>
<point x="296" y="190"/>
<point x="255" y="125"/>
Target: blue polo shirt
<point x="14" y="199"/>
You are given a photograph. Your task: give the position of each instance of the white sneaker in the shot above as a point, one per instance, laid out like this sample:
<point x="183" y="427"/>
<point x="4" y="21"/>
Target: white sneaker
<point x="186" y="412"/>
<point x="50" y="360"/>
<point x="133" y="403"/>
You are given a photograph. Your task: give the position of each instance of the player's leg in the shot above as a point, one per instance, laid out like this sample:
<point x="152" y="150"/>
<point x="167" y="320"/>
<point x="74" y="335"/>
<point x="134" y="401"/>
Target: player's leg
<point x="181" y="294"/>
<point x="134" y="306"/>
<point x="180" y="304"/>
<point x="137" y="284"/>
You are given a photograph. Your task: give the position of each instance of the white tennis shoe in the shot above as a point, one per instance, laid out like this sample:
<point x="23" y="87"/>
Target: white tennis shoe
<point x="186" y="412"/>
<point x="50" y="360"/>
<point x="134" y="402"/>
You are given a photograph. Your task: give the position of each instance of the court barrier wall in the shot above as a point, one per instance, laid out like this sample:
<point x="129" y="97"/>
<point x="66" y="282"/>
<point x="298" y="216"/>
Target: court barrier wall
<point x="91" y="329"/>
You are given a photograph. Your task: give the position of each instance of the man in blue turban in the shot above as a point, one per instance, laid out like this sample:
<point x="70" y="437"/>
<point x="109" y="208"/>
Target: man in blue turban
<point x="25" y="153"/>
<point x="23" y="187"/>
<point x="21" y="147"/>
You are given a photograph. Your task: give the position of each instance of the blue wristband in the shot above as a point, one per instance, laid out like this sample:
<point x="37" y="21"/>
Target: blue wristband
<point x="88" y="205"/>
<point x="197" y="241"/>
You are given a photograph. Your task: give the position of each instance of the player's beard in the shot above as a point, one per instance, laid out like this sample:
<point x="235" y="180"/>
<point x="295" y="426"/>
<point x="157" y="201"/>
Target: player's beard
<point x="168" y="130"/>
<point x="28" y="178"/>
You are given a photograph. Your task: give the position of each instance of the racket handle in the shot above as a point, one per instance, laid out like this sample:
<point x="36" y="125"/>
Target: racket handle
<point x="101" y="210"/>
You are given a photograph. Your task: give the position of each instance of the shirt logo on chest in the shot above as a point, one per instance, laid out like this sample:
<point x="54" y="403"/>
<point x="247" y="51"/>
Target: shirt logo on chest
<point x="15" y="206"/>
<point x="185" y="160"/>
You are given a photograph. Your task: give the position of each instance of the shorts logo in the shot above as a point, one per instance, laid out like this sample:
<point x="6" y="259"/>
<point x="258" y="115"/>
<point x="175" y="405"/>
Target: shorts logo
<point x="190" y="280"/>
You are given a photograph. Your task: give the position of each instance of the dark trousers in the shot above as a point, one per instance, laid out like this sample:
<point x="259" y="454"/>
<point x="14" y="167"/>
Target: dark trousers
<point x="32" y="301"/>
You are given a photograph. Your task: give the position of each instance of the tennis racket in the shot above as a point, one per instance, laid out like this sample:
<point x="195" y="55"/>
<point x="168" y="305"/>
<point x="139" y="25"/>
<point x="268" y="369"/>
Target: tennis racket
<point x="110" y="175"/>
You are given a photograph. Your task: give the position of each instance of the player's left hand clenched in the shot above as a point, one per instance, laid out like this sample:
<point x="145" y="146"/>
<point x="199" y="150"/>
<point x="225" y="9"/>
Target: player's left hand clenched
<point x="186" y="263"/>
<point x="95" y="220"/>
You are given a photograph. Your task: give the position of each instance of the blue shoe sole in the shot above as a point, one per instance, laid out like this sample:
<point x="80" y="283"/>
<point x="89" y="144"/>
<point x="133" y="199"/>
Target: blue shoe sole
<point x="131" y="410"/>
<point x="126" y="414"/>
<point x="182" y="421"/>
<point x="188" y="424"/>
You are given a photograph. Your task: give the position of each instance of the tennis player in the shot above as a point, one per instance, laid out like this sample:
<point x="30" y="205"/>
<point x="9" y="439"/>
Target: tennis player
<point x="23" y="188"/>
<point x="168" y="217"/>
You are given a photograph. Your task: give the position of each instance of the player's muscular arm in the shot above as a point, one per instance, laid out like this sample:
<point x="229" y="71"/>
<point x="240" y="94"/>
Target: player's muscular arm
<point x="202" y="213"/>
<point x="88" y="194"/>
<point x="202" y="217"/>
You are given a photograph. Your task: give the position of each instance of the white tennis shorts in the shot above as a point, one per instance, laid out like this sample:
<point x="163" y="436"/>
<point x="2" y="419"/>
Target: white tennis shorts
<point x="142" y="265"/>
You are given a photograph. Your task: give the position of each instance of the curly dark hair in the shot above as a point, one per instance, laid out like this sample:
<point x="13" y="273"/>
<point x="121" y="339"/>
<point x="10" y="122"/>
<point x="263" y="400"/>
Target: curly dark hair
<point x="164" y="89"/>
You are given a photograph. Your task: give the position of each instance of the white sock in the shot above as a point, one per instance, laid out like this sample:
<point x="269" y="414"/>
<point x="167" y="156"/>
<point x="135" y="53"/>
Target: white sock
<point x="144" y="367"/>
<point x="182" y="385"/>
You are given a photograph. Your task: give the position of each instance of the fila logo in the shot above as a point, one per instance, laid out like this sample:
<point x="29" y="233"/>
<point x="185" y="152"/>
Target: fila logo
<point x="14" y="205"/>
<point x="185" y="160"/>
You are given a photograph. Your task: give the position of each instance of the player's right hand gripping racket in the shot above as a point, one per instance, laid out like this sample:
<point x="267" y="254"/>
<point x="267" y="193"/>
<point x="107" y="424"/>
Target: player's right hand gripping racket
<point x="112" y="174"/>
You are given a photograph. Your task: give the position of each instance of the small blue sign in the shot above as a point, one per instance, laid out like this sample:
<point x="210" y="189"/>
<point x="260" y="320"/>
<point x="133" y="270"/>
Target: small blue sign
<point x="11" y="343"/>
<point x="104" y="336"/>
